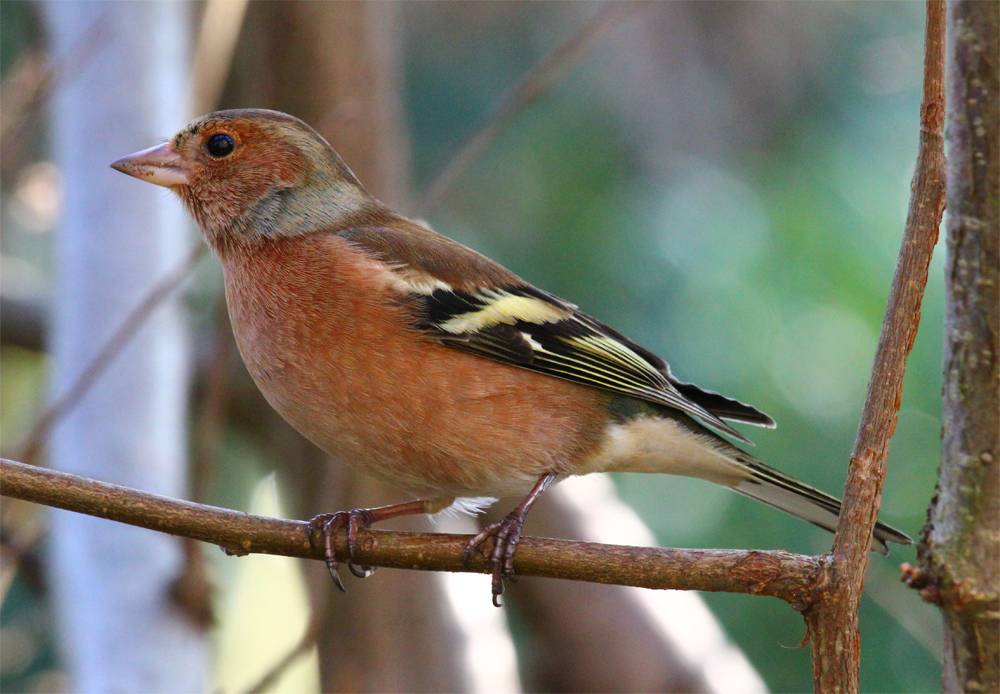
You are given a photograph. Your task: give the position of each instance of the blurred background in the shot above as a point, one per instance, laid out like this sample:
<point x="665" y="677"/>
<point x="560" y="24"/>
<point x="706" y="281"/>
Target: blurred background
<point x="725" y="183"/>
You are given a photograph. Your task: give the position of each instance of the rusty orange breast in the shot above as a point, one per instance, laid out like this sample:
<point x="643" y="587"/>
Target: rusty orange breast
<point x="328" y="341"/>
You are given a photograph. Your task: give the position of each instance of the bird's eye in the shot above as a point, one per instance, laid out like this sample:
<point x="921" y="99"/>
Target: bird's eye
<point x="220" y="145"/>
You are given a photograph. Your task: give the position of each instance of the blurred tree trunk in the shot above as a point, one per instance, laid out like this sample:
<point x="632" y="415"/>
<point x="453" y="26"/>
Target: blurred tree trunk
<point x="118" y="627"/>
<point x="585" y="637"/>
<point x="334" y="65"/>
<point x="960" y="548"/>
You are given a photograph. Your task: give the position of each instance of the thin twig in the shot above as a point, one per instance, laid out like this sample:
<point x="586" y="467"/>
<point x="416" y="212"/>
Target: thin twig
<point x="533" y="86"/>
<point x="833" y="619"/>
<point x="305" y="643"/>
<point x="791" y="577"/>
<point x="115" y="344"/>
<point x="26" y="93"/>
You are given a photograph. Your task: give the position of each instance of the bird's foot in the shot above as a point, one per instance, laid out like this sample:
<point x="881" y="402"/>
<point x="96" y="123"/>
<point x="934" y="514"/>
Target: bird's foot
<point x="326" y="526"/>
<point x="506" y="535"/>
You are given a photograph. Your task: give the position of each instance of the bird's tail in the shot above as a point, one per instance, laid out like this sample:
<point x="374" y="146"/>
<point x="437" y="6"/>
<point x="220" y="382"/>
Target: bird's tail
<point x="802" y="501"/>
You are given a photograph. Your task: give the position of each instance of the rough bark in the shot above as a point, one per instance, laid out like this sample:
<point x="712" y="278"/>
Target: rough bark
<point x="960" y="548"/>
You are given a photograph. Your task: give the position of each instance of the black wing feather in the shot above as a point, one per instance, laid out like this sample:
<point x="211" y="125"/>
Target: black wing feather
<point x="723" y="407"/>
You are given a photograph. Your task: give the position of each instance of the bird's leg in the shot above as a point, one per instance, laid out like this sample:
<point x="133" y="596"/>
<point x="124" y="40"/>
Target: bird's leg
<point x="506" y="535"/>
<point x="327" y="524"/>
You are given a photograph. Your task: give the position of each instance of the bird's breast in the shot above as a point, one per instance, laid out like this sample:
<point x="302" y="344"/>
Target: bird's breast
<point x="330" y="343"/>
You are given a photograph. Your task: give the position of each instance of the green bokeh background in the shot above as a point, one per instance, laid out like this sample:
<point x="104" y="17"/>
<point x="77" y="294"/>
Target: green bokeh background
<point x="755" y="259"/>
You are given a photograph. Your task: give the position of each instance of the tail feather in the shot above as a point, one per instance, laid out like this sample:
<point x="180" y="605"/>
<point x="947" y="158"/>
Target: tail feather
<point x="787" y="494"/>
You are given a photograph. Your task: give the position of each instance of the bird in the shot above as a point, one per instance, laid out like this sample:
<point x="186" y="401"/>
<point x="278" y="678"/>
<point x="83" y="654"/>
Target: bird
<point x="417" y="360"/>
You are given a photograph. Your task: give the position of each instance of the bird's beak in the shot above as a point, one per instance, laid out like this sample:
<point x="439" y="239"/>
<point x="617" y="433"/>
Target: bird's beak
<point x="160" y="165"/>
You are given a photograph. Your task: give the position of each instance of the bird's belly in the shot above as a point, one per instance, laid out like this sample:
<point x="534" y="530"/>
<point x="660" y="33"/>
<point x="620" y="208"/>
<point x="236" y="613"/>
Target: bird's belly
<point x="443" y="428"/>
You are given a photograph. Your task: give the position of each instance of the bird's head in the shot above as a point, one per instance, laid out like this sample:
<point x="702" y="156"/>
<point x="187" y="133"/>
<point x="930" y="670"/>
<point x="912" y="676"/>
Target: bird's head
<point x="252" y="174"/>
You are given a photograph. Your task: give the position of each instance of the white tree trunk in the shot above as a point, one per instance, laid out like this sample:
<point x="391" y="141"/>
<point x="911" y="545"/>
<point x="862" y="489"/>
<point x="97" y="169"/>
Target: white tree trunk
<point x="118" y="628"/>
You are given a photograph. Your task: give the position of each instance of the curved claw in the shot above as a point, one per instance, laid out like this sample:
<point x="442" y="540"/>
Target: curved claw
<point x="330" y="554"/>
<point x="361" y="571"/>
<point x="332" y="566"/>
<point x="506" y="535"/>
<point x="328" y="524"/>
<point x="497" y="584"/>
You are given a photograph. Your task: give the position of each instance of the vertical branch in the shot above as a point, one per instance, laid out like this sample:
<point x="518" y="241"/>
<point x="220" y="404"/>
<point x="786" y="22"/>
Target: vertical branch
<point x="833" y="618"/>
<point x="960" y="549"/>
<point x="213" y="54"/>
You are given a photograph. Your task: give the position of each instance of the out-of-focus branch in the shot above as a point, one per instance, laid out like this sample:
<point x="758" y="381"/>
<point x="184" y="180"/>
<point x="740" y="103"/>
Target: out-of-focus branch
<point x="213" y="55"/>
<point x="22" y="528"/>
<point x="533" y="86"/>
<point x="192" y="590"/>
<point x="791" y="577"/>
<point x="307" y="642"/>
<point x="115" y="344"/>
<point x="833" y="619"/>
<point x="21" y="93"/>
<point x="24" y="92"/>
<point x="23" y="322"/>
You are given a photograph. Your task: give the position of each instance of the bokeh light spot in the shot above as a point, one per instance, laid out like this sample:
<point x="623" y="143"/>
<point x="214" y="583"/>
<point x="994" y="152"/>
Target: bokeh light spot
<point x="821" y="360"/>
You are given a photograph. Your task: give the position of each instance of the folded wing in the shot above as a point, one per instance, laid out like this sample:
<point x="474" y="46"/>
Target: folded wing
<point x="499" y="316"/>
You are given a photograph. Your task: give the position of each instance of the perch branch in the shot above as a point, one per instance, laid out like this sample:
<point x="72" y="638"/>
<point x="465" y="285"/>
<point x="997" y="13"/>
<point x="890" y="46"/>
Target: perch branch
<point x="790" y="577"/>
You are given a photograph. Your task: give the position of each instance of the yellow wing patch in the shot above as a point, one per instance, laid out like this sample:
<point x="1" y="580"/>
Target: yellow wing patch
<point x="502" y="307"/>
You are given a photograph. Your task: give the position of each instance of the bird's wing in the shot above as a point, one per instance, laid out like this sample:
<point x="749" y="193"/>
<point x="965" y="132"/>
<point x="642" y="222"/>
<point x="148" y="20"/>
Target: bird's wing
<point x="465" y="300"/>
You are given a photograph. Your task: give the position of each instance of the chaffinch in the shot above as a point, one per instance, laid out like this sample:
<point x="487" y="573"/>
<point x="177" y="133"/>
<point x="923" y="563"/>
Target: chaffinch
<point x="418" y="360"/>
